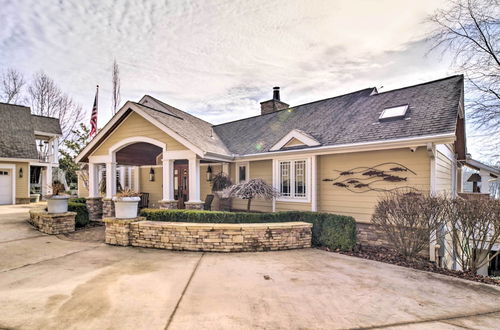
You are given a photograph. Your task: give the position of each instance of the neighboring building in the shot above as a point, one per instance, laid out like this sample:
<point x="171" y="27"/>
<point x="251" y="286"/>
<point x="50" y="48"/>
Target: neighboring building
<point x="28" y="152"/>
<point x="334" y="155"/>
<point x="480" y="178"/>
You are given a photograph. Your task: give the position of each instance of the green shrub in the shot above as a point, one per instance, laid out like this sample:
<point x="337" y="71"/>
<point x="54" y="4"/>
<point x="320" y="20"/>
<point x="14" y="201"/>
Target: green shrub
<point x="82" y="214"/>
<point x="81" y="200"/>
<point x="329" y="230"/>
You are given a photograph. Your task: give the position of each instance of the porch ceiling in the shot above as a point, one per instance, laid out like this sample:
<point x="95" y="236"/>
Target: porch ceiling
<point x="138" y="154"/>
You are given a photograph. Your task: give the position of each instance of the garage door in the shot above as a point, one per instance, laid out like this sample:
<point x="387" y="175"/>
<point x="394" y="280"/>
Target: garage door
<point x="5" y="186"/>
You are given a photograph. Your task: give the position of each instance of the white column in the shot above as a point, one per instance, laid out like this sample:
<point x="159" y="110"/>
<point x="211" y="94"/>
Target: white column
<point x="55" y="145"/>
<point x="93" y="180"/>
<point x="314" y="184"/>
<point x="122" y="177"/>
<point x="48" y="179"/>
<point x="168" y="180"/>
<point x="194" y="179"/>
<point x="485" y="181"/>
<point x="110" y="179"/>
<point x="137" y="178"/>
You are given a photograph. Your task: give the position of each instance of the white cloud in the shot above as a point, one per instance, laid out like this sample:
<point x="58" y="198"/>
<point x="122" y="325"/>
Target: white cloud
<point x="219" y="59"/>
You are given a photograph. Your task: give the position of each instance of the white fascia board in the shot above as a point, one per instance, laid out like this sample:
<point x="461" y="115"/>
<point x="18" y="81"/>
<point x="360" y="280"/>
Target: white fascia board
<point x="362" y="146"/>
<point x="478" y="164"/>
<point x="18" y="160"/>
<point x="103" y="131"/>
<point x="297" y="134"/>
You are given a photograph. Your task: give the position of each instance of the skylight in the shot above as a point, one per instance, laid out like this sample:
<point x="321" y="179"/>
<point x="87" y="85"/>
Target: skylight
<point x="394" y="112"/>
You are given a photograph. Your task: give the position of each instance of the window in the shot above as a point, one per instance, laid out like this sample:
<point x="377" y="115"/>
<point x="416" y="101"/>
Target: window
<point x="292" y="178"/>
<point x="242" y="172"/>
<point x="394" y="112"/>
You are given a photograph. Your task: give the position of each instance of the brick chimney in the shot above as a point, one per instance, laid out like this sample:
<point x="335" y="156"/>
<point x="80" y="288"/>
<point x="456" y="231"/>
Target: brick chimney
<point x="274" y="104"/>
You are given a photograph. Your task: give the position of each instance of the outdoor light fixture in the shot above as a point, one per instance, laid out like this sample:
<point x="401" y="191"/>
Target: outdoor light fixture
<point x="209" y="173"/>
<point x="151" y="174"/>
<point x="20" y="172"/>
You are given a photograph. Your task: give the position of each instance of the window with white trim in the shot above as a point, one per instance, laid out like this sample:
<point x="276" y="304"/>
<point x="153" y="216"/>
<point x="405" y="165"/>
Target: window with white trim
<point x="292" y="178"/>
<point x="242" y="172"/>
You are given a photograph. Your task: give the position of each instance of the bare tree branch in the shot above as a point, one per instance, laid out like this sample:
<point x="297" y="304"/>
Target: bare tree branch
<point x="12" y="85"/>
<point x="47" y="99"/>
<point x="115" y="79"/>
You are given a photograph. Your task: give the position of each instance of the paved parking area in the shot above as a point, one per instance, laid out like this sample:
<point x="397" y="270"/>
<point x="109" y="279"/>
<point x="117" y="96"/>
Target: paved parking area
<point x="65" y="283"/>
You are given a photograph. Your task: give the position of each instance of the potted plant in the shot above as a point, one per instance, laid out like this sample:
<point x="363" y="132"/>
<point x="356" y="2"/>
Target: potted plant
<point x="58" y="201"/>
<point x="126" y="204"/>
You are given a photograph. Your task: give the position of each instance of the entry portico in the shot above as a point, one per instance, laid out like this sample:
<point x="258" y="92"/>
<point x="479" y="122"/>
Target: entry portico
<point x="147" y="155"/>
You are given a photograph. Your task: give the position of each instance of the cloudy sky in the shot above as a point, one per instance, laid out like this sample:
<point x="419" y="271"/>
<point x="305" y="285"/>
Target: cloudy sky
<point x="219" y="59"/>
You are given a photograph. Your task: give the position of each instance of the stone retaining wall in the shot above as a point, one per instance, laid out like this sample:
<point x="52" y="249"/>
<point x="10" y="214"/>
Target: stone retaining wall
<point x="94" y="206"/>
<point x="209" y="237"/>
<point x="53" y="223"/>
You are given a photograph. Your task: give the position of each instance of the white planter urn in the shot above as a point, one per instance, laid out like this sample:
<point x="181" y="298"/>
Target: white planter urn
<point x="57" y="204"/>
<point x="126" y="207"/>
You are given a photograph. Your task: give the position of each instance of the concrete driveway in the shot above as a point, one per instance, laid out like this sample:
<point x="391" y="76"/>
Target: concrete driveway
<point x="56" y="283"/>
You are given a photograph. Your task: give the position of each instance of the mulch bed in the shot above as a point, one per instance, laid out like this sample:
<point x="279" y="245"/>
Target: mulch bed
<point x="390" y="256"/>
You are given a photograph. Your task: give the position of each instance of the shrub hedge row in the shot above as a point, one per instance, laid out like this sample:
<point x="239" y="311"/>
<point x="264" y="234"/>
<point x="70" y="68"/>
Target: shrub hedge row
<point x="329" y="230"/>
<point x="82" y="214"/>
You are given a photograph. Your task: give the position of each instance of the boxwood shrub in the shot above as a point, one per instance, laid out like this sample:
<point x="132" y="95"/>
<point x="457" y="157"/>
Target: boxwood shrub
<point x="329" y="230"/>
<point x="82" y="214"/>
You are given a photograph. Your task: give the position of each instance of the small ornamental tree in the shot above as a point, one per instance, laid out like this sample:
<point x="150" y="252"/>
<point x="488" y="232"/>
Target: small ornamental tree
<point x="251" y="189"/>
<point x="410" y="220"/>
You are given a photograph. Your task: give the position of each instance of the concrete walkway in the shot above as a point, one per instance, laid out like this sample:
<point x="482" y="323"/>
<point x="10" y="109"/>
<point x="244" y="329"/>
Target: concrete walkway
<point x="52" y="283"/>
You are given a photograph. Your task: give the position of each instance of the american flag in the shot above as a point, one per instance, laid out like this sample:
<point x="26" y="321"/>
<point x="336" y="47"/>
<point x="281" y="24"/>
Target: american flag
<point x="93" y="117"/>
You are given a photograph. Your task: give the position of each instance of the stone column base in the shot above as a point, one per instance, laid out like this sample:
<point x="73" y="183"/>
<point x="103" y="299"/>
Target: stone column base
<point x="194" y="205"/>
<point x="108" y="208"/>
<point x="53" y="223"/>
<point x="170" y="205"/>
<point x="118" y="230"/>
<point x="94" y="206"/>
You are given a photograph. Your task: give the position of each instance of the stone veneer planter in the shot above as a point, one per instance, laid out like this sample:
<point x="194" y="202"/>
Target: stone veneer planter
<point x="53" y="223"/>
<point x="208" y="237"/>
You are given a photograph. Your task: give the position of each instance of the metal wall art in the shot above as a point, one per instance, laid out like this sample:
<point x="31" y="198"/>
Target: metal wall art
<point x="362" y="179"/>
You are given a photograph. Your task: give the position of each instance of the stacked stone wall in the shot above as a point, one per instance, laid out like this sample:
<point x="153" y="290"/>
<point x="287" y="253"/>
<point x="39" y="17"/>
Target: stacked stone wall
<point x="53" y="223"/>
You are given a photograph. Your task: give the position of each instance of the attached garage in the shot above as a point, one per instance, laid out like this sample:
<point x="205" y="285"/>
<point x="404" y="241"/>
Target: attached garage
<point x="7" y="185"/>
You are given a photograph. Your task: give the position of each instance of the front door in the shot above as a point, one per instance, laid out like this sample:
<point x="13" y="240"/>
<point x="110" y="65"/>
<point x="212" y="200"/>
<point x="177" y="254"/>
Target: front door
<point x="181" y="184"/>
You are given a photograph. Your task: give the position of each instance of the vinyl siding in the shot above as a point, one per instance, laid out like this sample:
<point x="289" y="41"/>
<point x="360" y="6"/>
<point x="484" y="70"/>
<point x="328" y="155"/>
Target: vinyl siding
<point x="262" y="169"/>
<point x="361" y="205"/>
<point x="205" y="186"/>
<point x="135" y="125"/>
<point x="292" y="206"/>
<point x="444" y="169"/>
<point x="22" y="190"/>
<point x="154" y="188"/>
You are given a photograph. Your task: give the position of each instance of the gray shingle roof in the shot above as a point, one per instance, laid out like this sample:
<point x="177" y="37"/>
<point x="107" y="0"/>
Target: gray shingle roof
<point x="17" y="126"/>
<point x="352" y="118"/>
<point x="193" y="129"/>
<point x="46" y="124"/>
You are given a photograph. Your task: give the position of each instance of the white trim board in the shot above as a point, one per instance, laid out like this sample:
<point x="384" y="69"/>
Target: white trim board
<point x="295" y="134"/>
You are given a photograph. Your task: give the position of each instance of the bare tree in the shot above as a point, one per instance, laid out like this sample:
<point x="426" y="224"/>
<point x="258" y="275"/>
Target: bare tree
<point x="47" y="99"/>
<point x="473" y="228"/>
<point x="252" y="189"/>
<point x="115" y="79"/>
<point x="12" y="85"/>
<point x="409" y="220"/>
<point x="470" y="29"/>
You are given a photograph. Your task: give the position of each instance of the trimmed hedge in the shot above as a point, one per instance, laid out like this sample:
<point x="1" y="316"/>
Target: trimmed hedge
<point x="78" y="200"/>
<point x="82" y="214"/>
<point x="329" y="230"/>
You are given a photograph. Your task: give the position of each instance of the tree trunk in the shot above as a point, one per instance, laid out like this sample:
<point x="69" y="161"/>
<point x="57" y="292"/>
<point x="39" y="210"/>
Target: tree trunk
<point x="248" y="204"/>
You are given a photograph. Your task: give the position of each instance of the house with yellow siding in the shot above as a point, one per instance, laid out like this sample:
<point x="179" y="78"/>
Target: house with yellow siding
<point x="28" y="153"/>
<point x="335" y="155"/>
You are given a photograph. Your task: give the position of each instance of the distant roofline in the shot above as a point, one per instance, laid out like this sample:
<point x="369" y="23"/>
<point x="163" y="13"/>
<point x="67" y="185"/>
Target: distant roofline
<point x="44" y="116"/>
<point x="15" y="105"/>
